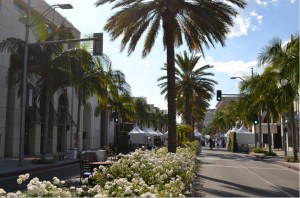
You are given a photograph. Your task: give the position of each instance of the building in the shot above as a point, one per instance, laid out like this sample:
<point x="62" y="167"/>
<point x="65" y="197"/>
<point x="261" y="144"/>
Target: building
<point x="276" y="128"/>
<point x="95" y="131"/>
<point x="209" y="117"/>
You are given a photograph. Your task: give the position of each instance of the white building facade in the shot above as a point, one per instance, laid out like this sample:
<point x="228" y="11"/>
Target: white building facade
<point x="95" y="131"/>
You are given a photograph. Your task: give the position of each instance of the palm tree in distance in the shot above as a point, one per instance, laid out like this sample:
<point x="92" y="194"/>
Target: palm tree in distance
<point x="194" y="90"/>
<point x="142" y="112"/>
<point x="202" y="23"/>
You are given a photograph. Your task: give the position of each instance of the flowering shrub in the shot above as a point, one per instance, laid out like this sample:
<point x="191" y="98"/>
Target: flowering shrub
<point x="139" y="174"/>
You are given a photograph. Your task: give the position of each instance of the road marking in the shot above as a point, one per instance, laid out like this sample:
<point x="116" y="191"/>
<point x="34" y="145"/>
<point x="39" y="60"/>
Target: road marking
<point x="208" y="165"/>
<point x="267" y="181"/>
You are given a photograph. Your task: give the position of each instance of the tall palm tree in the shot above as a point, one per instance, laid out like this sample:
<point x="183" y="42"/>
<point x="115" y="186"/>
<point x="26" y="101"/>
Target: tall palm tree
<point x="284" y="60"/>
<point x="88" y="79"/>
<point x="200" y="22"/>
<point x="49" y="68"/>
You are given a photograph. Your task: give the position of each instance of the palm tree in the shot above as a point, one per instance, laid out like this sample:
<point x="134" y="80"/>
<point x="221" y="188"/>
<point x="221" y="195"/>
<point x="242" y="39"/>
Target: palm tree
<point x="88" y="79"/>
<point x="284" y="60"/>
<point x="200" y="22"/>
<point x="190" y="82"/>
<point x="115" y="95"/>
<point x="142" y="111"/>
<point x="49" y="68"/>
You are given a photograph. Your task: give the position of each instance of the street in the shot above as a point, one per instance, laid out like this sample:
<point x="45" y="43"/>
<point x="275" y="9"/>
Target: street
<point x="227" y="174"/>
<point x="9" y="184"/>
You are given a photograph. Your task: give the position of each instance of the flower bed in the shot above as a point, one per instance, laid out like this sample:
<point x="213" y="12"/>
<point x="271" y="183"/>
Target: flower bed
<point x="139" y="174"/>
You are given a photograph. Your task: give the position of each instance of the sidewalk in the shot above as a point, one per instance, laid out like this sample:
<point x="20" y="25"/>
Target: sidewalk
<point x="10" y="166"/>
<point x="279" y="159"/>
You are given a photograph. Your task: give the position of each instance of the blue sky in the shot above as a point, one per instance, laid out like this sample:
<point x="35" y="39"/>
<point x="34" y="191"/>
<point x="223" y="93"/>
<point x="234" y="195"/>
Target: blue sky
<point x="254" y="27"/>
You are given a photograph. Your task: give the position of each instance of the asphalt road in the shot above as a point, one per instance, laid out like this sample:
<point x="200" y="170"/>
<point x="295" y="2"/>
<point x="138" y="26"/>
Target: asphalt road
<point x="227" y="174"/>
<point x="9" y="184"/>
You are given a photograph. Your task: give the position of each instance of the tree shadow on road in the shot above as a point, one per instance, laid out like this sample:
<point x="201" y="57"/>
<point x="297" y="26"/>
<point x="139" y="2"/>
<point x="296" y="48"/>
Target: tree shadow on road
<point x="245" y="190"/>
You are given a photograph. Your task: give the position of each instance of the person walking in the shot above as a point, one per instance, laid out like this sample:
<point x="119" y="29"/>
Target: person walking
<point x="210" y="143"/>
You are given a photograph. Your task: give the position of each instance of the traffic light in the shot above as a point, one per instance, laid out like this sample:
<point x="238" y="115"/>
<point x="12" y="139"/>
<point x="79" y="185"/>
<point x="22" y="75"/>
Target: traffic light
<point x="98" y="44"/>
<point x="255" y="120"/>
<point x="219" y="95"/>
<point x="116" y="116"/>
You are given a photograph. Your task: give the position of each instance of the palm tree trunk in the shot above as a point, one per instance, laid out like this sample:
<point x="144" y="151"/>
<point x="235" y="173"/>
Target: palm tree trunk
<point x="78" y="121"/>
<point x="169" y="37"/>
<point x="46" y="126"/>
<point x="269" y="130"/>
<point x="260" y="129"/>
<point x="294" y="132"/>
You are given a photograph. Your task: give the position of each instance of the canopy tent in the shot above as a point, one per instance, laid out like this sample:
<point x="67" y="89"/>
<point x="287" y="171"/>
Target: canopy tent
<point x="148" y="132"/>
<point x="197" y="134"/>
<point x="244" y="136"/>
<point x="153" y="132"/>
<point x="243" y="130"/>
<point x="165" y="135"/>
<point x="137" y="136"/>
<point x="159" y="133"/>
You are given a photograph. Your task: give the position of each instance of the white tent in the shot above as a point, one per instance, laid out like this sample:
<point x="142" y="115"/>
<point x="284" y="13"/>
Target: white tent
<point x="152" y="132"/>
<point x="148" y="132"/>
<point x="243" y="136"/>
<point x="197" y="134"/>
<point x="165" y="135"/>
<point x="137" y="136"/>
<point x="159" y="133"/>
<point x="243" y="130"/>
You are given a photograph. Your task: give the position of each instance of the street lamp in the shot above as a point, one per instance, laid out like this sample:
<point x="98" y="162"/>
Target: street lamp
<point x="236" y="77"/>
<point x="24" y="77"/>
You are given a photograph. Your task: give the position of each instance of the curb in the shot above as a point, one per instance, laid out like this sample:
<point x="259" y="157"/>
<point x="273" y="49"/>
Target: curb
<point x="34" y="169"/>
<point x="293" y="166"/>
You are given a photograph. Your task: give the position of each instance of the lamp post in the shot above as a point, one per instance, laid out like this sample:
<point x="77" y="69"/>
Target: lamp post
<point x="237" y="77"/>
<point x="24" y="77"/>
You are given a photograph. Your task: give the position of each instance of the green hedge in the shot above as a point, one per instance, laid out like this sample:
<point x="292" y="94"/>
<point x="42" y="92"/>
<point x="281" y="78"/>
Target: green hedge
<point x="233" y="146"/>
<point x="260" y="150"/>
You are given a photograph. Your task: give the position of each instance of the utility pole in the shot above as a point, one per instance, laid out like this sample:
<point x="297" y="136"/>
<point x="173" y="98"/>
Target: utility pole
<point x="255" y="138"/>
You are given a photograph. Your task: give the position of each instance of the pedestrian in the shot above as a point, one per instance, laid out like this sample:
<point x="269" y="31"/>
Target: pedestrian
<point x="218" y="143"/>
<point x="210" y="143"/>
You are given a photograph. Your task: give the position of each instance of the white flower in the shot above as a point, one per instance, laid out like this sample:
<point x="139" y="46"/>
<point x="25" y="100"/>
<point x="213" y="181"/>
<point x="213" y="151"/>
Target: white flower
<point x="19" y="193"/>
<point x="27" y="176"/>
<point x="19" y="181"/>
<point x="56" y="181"/>
<point x="128" y="191"/>
<point x="100" y="195"/>
<point x="2" y="192"/>
<point x="85" y="180"/>
<point x="12" y="195"/>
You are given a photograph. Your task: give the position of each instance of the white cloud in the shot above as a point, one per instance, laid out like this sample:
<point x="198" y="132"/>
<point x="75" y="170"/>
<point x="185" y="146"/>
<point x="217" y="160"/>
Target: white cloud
<point x="259" y="18"/>
<point x="254" y="28"/>
<point x="231" y="68"/>
<point x="253" y="13"/>
<point x="292" y="1"/>
<point x="263" y="3"/>
<point x="240" y="27"/>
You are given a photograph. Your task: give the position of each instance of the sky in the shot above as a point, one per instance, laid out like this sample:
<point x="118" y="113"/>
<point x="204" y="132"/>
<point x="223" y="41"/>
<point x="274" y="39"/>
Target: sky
<point x="253" y="29"/>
